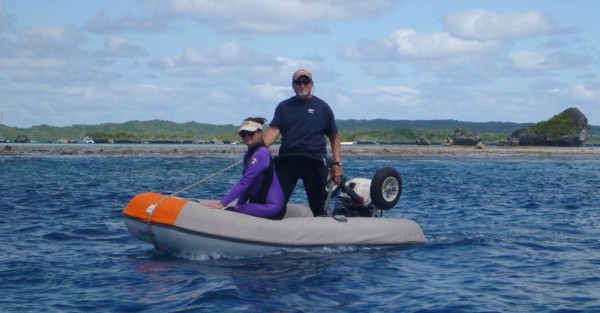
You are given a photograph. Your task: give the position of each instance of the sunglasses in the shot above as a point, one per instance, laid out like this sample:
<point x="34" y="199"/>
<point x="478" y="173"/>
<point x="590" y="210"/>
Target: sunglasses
<point x="244" y="133"/>
<point x="302" y="82"/>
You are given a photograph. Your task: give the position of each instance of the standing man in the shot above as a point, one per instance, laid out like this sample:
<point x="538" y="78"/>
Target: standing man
<point x="303" y="122"/>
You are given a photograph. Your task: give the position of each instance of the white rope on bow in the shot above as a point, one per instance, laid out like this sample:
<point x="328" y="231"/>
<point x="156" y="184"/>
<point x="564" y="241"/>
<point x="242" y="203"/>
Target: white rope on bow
<point x="152" y="208"/>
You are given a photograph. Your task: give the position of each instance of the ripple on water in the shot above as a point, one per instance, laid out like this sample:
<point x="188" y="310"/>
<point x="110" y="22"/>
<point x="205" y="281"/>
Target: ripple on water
<point x="504" y="234"/>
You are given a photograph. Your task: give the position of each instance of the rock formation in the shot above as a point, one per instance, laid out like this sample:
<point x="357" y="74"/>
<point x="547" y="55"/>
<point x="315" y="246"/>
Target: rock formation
<point x="509" y="142"/>
<point x="422" y="141"/>
<point x="464" y="138"/>
<point x="447" y="142"/>
<point x="567" y="129"/>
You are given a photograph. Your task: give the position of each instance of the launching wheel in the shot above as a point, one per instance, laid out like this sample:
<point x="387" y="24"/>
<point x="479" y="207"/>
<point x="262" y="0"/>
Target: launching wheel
<point x="386" y="188"/>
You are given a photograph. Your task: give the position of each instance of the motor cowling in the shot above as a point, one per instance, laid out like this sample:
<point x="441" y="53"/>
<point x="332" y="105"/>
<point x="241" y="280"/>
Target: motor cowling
<point x="362" y="188"/>
<point x="354" y="199"/>
<point x="369" y="198"/>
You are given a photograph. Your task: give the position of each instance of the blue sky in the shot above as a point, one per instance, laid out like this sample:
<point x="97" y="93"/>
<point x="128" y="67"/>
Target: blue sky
<point x="219" y="61"/>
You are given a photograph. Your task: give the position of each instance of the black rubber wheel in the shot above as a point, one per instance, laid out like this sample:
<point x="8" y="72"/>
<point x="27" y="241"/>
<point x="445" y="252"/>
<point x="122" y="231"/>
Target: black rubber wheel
<point x="386" y="188"/>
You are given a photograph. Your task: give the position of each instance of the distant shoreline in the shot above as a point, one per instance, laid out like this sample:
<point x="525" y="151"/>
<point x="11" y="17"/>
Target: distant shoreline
<point x="389" y="150"/>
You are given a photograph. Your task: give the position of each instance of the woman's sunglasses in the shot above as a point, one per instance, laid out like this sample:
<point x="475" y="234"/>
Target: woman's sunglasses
<point x="244" y="133"/>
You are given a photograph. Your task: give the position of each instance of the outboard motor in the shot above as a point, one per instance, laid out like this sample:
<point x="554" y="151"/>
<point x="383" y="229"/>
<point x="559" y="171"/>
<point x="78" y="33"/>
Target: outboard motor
<point x="369" y="198"/>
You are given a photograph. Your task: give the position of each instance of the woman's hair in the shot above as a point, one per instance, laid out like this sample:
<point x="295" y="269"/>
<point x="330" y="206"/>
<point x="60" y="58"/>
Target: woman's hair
<point x="260" y="120"/>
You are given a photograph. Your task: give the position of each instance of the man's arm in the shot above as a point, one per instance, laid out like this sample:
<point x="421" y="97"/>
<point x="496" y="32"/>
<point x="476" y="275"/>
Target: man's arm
<point x="271" y="135"/>
<point x="336" y="150"/>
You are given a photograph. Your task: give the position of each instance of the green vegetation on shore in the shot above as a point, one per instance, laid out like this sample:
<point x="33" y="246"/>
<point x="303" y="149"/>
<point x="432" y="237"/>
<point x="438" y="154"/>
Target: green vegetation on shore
<point x="557" y="126"/>
<point x="379" y="130"/>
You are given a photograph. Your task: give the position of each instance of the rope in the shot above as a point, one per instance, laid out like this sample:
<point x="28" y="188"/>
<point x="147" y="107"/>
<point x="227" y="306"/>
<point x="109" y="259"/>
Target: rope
<point x="153" y="207"/>
<point x="330" y="187"/>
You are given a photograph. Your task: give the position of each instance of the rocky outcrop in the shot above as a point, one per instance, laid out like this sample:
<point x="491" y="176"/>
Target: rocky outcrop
<point x="447" y="142"/>
<point x="567" y="129"/>
<point x="422" y="141"/>
<point x="509" y="142"/>
<point x="464" y="138"/>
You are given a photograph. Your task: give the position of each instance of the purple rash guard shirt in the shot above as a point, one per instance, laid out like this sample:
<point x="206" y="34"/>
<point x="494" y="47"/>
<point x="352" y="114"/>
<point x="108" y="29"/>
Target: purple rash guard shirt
<point x="250" y="184"/>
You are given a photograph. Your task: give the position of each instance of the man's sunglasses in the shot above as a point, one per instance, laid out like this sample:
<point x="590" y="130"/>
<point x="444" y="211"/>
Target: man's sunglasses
<point x="302" y="82"/>
<point x="243" y="133"/>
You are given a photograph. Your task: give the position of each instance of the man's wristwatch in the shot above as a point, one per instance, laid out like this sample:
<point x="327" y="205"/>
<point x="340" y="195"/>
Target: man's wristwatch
<point x="337" y="163"/>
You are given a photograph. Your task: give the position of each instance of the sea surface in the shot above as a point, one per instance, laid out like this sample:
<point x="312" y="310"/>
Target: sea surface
<point x="506" y="233"/>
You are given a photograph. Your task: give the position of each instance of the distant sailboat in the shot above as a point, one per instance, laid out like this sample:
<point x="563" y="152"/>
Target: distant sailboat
<point x="86" y="139"/>
<point x="2" y="138"/>
<point x="31" y="138"/>
<point x="83" y="138"/>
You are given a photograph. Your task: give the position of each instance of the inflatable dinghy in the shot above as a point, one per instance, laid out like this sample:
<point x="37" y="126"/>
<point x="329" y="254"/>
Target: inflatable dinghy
<point x="178" y="225"/>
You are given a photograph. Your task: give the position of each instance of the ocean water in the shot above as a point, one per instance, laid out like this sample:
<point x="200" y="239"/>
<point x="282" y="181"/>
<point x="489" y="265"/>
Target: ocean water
<point x="505" y="234"/>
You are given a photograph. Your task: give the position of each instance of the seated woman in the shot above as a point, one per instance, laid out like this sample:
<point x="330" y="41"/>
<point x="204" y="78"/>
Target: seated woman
<point x="258" y="191"/>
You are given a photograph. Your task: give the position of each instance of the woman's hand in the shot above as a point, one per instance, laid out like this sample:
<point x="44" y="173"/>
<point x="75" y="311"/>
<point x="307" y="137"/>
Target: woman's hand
<point x="213" y="204"/>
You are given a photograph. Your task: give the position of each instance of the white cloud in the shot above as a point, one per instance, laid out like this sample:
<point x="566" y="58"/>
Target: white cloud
<point x="118" y="46"/>
<point x="580" y="92"/>
<point x="233" y="62"/>
<point x="28" y="63"/>
<point x="473" y="45"/>
<point x="390" y="95"/>
<point x="472" y="37"/>
<point x="583" y="92"/>
<point x="390" y="102"/>
<point x="275" y="16"/>
<point x="50" y="36"/>
<point x="381" y="70"/>
<point x="6" y="20"/>
<point x="269" y="93"/>
<point x="26" y="67"/>
<point x="532" y="61"/>
<point x="102" y="23"/>
<point x="527" y="60"/>
<point x="217" y="61"/>
<point x="292" y="65"/>
<point x="410" y="45"/>
<point x="49" y="33"/>
<point x="468" y="33"/>
<point x="222" y="62"/>
<point x="480" y="24"/>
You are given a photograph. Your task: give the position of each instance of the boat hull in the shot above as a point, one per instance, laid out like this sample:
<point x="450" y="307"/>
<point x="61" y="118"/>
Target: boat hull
<point x="183" y="226"/>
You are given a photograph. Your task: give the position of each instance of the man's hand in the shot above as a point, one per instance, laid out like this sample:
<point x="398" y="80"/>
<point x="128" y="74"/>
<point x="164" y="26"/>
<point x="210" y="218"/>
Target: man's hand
<point x="336" y="173"/>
